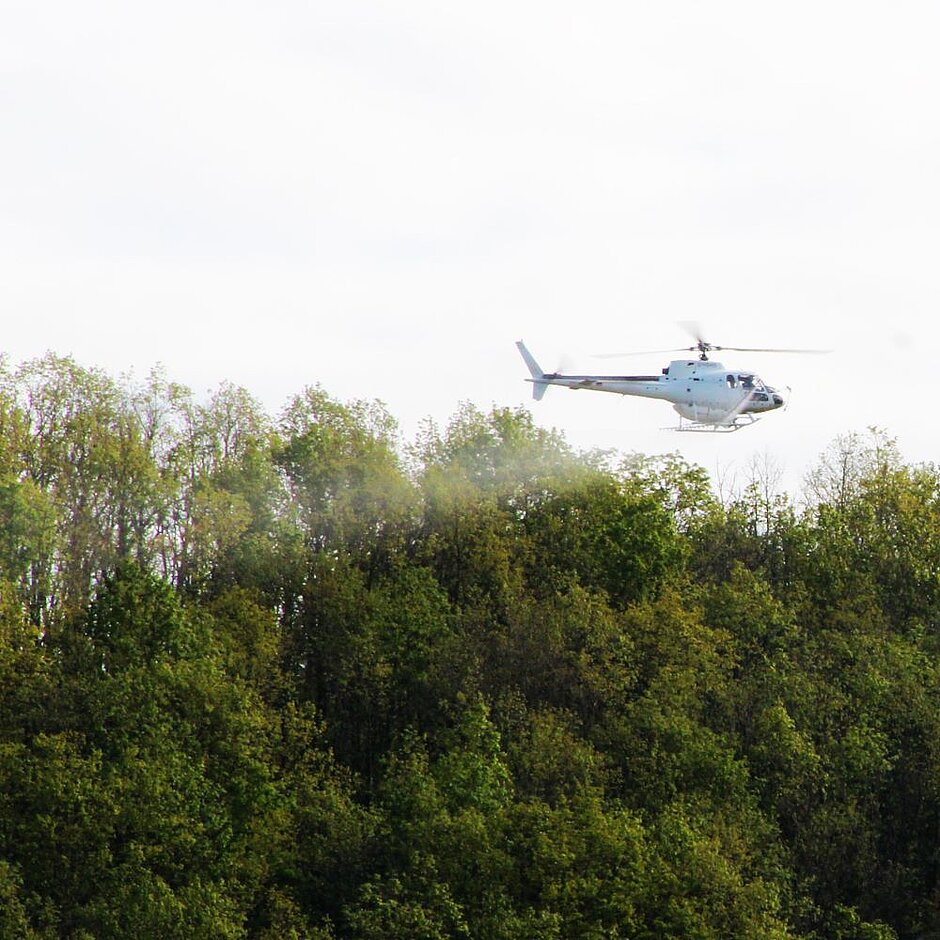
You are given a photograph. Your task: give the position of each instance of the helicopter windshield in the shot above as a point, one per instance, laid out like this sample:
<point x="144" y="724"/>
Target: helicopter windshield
<point x="751" y="382"/>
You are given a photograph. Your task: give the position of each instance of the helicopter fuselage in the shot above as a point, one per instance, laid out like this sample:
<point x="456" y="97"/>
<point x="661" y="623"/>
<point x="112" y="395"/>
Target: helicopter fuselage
<point x="700" y="390"/>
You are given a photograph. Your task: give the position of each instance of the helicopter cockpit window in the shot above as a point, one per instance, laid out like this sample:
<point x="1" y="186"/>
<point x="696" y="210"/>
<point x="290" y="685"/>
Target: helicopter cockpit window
<point x="732" y="381"/>
<point x="747" y="381"/>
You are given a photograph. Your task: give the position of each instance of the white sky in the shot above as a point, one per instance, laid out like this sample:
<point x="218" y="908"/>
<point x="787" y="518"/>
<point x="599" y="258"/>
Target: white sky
<point x="383" y="197"/>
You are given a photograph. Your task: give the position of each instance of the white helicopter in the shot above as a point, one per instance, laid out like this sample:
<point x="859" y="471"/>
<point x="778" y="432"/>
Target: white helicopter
<point x="704" y="393"/>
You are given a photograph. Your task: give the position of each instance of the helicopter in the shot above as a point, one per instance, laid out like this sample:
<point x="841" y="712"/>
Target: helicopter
<point x="706" y="395"/>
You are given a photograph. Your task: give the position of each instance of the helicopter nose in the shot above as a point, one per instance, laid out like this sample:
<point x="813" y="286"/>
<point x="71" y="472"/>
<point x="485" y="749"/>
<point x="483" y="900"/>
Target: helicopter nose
<point x="778" y="401"/>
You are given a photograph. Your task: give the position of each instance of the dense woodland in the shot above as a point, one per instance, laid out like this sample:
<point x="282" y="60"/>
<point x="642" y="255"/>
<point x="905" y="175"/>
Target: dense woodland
<point x="290" y="677"/>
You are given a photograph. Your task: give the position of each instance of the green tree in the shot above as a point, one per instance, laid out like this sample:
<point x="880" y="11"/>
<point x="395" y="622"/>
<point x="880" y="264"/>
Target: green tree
<point x="345" y="475"/>
<point x="607" y="534"/>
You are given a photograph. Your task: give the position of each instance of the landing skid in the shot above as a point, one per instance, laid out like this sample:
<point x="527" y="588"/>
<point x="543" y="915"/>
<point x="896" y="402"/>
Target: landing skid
<point x="744" y="421"/>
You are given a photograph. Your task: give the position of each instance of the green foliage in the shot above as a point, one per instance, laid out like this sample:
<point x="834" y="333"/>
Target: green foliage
<point x="343" y="470"/>
<point x="605" y="535"/>
<point x="14" y="921"/>
<point x="282" y="679"/>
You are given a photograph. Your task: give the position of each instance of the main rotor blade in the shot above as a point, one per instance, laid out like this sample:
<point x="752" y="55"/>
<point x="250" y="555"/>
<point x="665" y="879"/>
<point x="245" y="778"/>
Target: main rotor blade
<point x="648" y="352"/>
<point x="694" y="329"/>
<point x="751" y="349"/>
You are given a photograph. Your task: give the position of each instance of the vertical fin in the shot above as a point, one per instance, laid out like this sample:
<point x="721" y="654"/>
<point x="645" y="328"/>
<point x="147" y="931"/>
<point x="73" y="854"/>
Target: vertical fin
<point x="538" y="384"/>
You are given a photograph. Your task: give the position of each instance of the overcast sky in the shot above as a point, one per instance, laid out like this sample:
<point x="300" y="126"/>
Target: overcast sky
<point x="383" y="197"/>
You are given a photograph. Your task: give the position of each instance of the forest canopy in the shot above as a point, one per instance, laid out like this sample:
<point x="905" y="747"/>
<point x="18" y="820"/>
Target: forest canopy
<point x="292" y="676"/>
